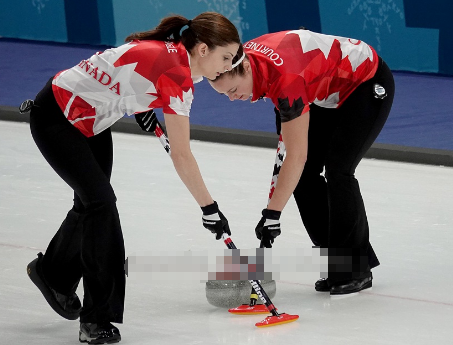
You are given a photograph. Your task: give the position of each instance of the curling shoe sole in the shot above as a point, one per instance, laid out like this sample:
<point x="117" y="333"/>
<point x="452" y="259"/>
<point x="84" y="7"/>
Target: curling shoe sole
<point x="68" y="307"/>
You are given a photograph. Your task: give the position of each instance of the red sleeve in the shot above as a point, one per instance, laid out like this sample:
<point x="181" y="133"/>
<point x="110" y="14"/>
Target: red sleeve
<point x="289" y="95"/>
<point x="175" y="88"/>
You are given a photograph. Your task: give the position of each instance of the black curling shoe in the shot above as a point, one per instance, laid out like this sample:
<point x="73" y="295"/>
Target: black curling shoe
<point x="355" y="285"/>
<point x="99" y="333"/>
<point x="68" y="307"/>
<point x="322" y="285"/>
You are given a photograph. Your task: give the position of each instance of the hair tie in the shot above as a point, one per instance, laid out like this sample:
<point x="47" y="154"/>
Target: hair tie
<point x="239" y="61"/>
<point x="185" y="27"/>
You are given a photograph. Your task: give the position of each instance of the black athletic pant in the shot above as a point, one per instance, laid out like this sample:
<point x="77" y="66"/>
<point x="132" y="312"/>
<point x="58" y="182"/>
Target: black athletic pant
<point x="89" y="243"/>
<point x="331" y="206"/>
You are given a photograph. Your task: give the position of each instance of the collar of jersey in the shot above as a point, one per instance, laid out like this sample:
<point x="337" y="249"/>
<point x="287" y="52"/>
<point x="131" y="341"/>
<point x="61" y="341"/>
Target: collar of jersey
<point x="259" y="75"/>
<point x="197" y="79"/>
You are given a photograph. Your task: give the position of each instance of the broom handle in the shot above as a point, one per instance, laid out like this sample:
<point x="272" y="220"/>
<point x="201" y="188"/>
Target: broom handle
<point x="279" y="155"/>
<point x="256" y="286"/>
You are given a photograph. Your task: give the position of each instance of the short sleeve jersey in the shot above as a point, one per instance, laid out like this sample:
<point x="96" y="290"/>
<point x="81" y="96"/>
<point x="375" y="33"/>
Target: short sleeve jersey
<point x="299" y="68"/>
<point x="133" y="78"/>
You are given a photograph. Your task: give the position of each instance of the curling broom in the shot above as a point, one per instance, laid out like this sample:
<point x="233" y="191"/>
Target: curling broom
<point x="252" y="307"/>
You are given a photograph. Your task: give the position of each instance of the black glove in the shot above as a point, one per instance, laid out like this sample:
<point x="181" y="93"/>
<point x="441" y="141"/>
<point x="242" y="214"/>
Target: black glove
<point x="215" y="221"/>
<point x="268" y="227"/>
<point x="278" y="121"/>
<point x="147" y="120"/>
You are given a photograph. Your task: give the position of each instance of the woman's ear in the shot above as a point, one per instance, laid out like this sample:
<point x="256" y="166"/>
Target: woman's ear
<point x="247" y="66"/>
<point x="202" y="49"/>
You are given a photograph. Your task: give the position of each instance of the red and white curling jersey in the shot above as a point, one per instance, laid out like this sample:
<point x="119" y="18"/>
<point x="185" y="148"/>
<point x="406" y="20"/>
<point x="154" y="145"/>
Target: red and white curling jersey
<point x="298" y="68"/>
<point x="129" y="79"/>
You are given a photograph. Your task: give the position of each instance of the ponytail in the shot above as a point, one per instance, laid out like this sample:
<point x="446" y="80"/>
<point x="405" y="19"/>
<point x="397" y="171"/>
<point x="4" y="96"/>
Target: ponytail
<point x="210" y="28"/>
<point x="168" y="29"/>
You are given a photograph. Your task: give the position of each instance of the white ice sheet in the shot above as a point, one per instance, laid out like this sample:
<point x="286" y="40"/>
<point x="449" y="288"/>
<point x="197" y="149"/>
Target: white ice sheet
<point x="411" y="220"/>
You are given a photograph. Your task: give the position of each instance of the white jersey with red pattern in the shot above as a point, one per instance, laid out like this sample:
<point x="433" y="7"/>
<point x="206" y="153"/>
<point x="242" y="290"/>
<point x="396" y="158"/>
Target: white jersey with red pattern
<point x="133" y="78"/>
<point x="298" y="68"/>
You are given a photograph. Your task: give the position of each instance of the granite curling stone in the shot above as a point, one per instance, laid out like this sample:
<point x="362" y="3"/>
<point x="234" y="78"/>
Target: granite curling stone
<point x="233" y="293"/>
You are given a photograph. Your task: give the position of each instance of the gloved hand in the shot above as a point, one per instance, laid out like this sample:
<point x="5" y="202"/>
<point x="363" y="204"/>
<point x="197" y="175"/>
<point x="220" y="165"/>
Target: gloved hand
<point x="147" y="120"/>
<point x="268" y="227"/>
<point x="215" y="221"/>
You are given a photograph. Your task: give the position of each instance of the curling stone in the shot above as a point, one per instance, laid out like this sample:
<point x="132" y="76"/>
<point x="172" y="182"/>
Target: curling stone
<point x="233" y="293"/>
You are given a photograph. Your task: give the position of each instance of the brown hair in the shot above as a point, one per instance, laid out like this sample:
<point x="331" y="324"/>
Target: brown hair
<point x="211" y="28"/>
<point x="238" y="70"/>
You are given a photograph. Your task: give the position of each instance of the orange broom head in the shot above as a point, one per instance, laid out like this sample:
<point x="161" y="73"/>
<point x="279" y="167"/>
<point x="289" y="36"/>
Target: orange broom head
<point x="246" y="309"/>
<point x="277" y="320"/>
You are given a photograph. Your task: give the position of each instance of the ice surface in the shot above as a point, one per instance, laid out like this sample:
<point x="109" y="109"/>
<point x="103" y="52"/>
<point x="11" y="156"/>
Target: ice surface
<point x="410" y="210"/>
